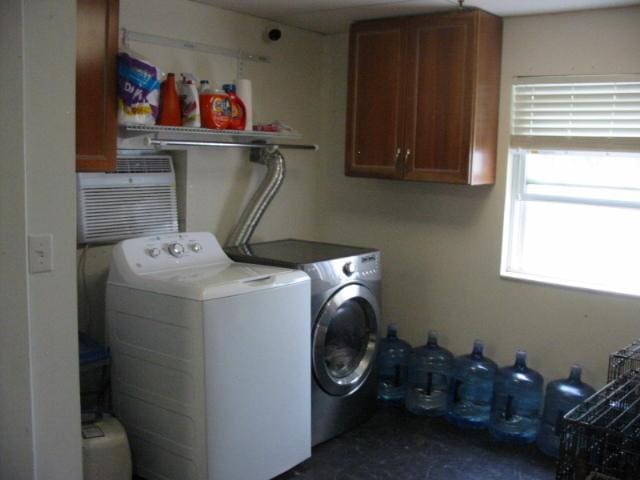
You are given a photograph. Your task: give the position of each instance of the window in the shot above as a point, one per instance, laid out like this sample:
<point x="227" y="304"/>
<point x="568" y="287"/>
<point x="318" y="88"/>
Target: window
<point x="572" y="213"/>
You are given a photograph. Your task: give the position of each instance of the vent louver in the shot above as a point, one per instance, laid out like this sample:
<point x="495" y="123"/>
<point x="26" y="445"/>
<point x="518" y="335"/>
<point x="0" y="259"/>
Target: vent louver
<point x="143" y="165"/>
<point x="138" y="199"/>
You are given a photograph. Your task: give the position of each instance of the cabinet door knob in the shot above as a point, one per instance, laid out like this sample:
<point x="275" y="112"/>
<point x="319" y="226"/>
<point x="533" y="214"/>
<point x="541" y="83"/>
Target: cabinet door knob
<point x="407" y="154"/>
<point x="398" y="152"/>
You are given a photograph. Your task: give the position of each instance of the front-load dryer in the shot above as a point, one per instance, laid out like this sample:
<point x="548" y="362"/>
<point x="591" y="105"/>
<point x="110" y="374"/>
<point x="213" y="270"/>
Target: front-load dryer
<point x="210" y="360"/>
<point x="345" y="314"/>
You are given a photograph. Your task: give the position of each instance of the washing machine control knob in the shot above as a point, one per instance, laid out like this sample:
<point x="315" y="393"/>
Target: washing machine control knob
<point x="196" y="247"/>
<point x="348" y="269"/>
<point x="176" y="249"/>
<point x="154" y="252"/>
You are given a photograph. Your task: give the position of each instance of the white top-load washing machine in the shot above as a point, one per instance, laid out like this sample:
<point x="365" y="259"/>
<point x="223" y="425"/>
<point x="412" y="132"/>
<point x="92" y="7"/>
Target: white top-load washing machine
<point x="211" y="360"/>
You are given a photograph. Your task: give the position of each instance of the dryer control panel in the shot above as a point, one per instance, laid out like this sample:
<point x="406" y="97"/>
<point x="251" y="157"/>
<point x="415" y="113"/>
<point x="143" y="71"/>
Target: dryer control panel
<point x="358" y="267"/>
<point x="368" y="266"/>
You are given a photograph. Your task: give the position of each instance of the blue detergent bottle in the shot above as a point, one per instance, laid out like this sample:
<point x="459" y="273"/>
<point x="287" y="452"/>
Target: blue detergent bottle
<point x="429" y="371"/>
<point x="471" y="389"/>
<point x="561" y="396"/>
<point x="517" y="400"/>
<point x="392" y="362"/>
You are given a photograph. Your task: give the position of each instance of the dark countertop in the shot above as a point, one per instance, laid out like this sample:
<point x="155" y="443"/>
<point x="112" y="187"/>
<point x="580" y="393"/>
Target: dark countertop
<point x="396" y="445"/>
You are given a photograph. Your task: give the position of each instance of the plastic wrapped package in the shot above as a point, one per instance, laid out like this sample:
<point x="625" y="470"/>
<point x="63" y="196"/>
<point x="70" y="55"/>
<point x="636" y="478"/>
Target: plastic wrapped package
<point x="138" y="89"/>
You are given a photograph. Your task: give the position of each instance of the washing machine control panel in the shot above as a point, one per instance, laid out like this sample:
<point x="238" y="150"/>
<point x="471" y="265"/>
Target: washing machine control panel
<point x="158" y="252"/>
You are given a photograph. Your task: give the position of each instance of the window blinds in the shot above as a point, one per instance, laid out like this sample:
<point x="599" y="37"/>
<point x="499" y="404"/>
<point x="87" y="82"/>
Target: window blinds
<point x="588" y="113"/>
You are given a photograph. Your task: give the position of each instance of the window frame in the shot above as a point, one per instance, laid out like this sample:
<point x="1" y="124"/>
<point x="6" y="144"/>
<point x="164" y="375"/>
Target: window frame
<point x="516" y="196"/>
<point x="515" y="214"/>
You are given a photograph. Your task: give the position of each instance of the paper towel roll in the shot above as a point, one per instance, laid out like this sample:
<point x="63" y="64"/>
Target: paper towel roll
<point x="243" y="90"/>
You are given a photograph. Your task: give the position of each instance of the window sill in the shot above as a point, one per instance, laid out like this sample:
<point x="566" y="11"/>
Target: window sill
<point x="568" y="284"/>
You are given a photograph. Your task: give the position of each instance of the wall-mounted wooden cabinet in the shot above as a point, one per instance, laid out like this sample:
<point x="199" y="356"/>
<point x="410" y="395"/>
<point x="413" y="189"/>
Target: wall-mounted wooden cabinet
<point x="423" y="98"/>
<point x="96" y="77"/>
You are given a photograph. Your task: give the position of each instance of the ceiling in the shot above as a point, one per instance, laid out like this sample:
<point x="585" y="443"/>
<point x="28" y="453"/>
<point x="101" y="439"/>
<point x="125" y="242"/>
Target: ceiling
<point x="334" y="16"/>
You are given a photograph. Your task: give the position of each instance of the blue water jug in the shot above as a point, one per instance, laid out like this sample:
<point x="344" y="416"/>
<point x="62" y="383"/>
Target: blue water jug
<point x="429" y="372"/>
<point x="561" y="396"/>
<point x="392" y="362"/>
<point x="471" y="389"/>
<point x="517" y="398"/>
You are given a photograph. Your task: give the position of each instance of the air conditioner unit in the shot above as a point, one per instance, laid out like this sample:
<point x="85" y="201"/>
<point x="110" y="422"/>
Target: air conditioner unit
<point x="137" y="199"/>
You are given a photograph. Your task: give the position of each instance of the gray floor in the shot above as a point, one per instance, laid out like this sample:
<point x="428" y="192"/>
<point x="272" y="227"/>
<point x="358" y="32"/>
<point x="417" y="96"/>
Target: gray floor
<point x="395" y="445"/>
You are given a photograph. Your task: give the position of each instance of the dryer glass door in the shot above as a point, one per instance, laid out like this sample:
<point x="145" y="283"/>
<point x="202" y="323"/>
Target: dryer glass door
<point x="344" y="340"/>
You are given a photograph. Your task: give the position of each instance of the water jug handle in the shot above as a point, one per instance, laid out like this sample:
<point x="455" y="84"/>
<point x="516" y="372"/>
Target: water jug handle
<point x="509" y="409"/>
<point x="558" y="426"/>
<point x="397" y="376"/>
<point x="456" y="390"/>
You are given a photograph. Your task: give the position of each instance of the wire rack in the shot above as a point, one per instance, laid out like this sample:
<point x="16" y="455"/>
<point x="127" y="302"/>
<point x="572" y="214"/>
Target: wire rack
<point x="601" y="436"/>
<point x="624" y="360"/>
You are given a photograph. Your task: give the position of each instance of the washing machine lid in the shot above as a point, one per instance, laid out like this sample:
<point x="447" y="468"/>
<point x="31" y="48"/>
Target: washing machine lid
<point x="191" y="265"/>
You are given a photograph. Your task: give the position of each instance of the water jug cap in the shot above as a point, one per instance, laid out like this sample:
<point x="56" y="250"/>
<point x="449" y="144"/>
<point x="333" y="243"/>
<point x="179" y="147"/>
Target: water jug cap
<point x="576" y="372"/>
<point x="392" y="330"/>
<point x="521" y="358"/>
<point x="432" y="338"/>
<point x="478" y="347"/>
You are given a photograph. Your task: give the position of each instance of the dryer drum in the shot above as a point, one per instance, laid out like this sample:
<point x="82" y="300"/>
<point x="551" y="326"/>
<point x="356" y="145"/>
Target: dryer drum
<point x="344" y="340"/>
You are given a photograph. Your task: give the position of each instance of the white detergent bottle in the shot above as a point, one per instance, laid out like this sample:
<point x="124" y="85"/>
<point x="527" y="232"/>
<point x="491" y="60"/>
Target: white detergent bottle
<point x="189" y="101"/>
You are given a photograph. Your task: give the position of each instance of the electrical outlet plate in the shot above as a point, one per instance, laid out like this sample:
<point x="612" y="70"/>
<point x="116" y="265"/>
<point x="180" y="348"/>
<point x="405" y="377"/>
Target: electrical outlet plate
<point x="40" y="253"/>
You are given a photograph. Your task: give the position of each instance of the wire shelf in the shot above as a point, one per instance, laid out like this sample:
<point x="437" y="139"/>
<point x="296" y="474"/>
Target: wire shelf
<point x="165" y="137"/>
<point x="137" y="130"/>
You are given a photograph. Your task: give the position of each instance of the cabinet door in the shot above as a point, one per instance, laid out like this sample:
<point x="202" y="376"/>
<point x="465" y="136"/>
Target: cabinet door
<point x="375" y="99"/>
<point x="96" y="108"/>
<point x="441" y="66"/>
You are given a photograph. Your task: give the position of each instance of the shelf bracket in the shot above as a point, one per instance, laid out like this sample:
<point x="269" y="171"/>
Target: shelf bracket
<point x="131" y="36"/>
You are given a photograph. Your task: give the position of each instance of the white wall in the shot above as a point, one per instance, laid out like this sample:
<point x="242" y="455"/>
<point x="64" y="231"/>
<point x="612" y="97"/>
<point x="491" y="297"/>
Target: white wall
<point x="16" y="439"/>
<point x="39" y="395"/>
<point x="215" y="184"/>
<point x="441" y="244"/>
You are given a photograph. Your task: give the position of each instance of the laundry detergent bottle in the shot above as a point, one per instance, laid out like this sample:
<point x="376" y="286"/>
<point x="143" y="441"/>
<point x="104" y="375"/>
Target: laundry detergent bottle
<point x="471" y="389"/>
<point x="392" y="362"/>
<point x="429" y="371"/>
<point x="561" y="396"/>
<point x="238" y="115"/>
<point x="214" y="107"/>
<point x="517" y="400"/>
